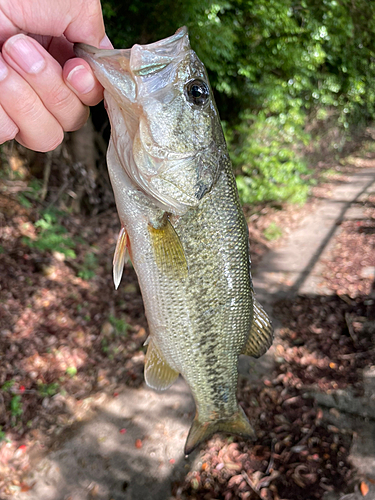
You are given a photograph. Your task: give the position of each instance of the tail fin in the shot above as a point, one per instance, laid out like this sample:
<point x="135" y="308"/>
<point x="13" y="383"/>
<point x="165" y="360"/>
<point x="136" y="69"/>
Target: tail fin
<point x="237" y="424"/>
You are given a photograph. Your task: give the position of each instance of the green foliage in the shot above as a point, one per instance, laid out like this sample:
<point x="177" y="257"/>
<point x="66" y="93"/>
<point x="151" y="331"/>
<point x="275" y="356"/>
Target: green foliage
<point x="52" y="236"/>
<point x="25" y="202"/>
<point x="104" y="345"/>
<point x="48" y="390"/>
<point x="87" y="269"/>
<point x="7" y="386"/>
<point x="268" y="167"/>
<point x="31" y="194"/>
<point x="2" y="434"/>
<point x="16" y="409"/>
<point x="113" y="333"/>
<point x="120" y="326"/>
<point x="273" y="65"/>
<point x="16" y="406"/>
<point x="71" y="371"/>
<point x="272" y="232"/>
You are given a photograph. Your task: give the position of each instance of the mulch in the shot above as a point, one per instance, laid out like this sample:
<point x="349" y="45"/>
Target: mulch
<point x="65" y="339"/>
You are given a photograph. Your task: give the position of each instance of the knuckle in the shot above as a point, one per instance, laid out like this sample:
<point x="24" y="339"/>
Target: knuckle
<point x="29" y="107"/>
<point x="67" y="108"/>
<point x="61" y="97"/>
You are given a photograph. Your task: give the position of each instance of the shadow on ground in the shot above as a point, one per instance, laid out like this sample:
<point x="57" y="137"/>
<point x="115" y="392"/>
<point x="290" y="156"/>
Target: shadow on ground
<point x="132" y="448"/>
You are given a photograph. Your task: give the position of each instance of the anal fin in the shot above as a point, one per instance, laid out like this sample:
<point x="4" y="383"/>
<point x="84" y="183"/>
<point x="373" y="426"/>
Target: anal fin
<point x="158" y="374"/>
<point x="261" y="333"/>
<point x="237" y="424"/>
<point x="120" y="257"/>
<point x="169" y="254"/>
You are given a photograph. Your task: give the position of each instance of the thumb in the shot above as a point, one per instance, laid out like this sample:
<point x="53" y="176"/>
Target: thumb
<point x="87" y="24"/>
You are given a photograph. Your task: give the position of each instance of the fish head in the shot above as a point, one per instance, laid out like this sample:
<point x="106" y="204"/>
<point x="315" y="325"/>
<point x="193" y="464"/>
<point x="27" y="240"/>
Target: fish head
<point x="165" y="125"/>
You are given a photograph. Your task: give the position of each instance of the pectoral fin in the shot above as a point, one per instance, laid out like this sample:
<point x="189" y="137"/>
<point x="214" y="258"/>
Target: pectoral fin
<point x="237" y="424"/>
<point x="121" y="256"/>
<point x="158" y="374"/>
<point x="169" y="254"/>
<point x="261" y="333"/>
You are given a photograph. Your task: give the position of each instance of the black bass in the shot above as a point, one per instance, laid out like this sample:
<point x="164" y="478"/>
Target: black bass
<point x="182" y="225"/>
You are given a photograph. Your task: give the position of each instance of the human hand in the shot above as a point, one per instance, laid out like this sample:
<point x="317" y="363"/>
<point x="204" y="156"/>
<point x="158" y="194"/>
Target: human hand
<point x="44" y="88"/>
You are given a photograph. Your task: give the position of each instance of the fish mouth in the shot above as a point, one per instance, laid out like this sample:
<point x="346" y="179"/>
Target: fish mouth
<point x="111" y="68"/>
<point x="122" y="68"/>
<point x="167" y="46"/>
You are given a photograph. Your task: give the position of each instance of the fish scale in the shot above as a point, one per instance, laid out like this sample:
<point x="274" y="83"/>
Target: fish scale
<point x="182" y="225"/>
<point x="225" y="244"/>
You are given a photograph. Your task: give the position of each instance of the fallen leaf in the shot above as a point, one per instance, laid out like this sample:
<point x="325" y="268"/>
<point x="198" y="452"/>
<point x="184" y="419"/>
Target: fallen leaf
<point x="364" y="488"/>
<point x="26" y="487"/>
<point x="138" y="443"/>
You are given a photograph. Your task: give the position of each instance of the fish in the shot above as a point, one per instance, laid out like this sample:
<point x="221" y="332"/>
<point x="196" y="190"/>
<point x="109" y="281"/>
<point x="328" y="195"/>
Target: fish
<point x="182" y="226"/>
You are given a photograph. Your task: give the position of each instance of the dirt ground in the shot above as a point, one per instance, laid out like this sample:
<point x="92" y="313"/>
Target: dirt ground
<point x="68" y="340"/>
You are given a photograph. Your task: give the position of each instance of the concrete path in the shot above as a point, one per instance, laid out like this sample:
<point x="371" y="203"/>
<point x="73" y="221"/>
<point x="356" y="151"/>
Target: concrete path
<point x="102" y="459"/>
<point x="295" y="267"/>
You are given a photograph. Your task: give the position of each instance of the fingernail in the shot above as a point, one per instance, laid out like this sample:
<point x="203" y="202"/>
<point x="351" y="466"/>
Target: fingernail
<point x="81" y="79"/>
<point x="25" y="54"/>
<point x="105" y="43"/>
<point x="3" y="70"/>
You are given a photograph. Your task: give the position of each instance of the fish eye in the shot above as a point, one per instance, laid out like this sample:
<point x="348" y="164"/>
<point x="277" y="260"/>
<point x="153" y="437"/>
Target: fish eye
<point x="197" y="92"/>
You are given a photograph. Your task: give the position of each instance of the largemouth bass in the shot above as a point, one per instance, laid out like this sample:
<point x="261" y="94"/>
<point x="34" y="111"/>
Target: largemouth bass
<point x="182" y="225"/>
